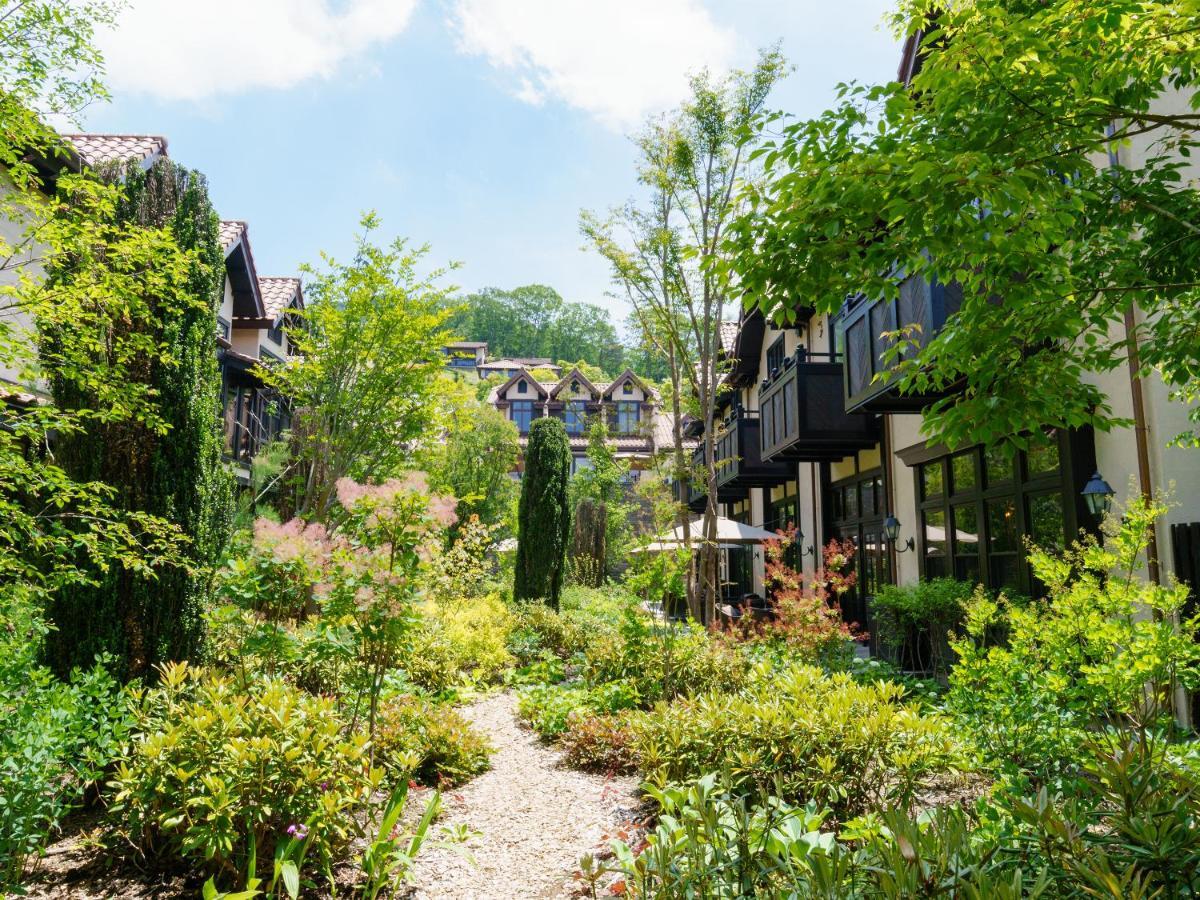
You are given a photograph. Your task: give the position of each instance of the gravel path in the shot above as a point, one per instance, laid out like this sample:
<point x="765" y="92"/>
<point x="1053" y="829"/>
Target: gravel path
<point x="535" y="818"/>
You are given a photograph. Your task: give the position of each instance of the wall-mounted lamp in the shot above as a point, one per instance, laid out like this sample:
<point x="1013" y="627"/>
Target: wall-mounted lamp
<point x="1098" y="494"/>
<point x="891" y="531"/>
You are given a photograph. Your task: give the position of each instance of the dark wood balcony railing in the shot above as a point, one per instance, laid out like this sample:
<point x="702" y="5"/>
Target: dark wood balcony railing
<point x="740" y="465"/>
<point x="864" y="325"/>
<point x="803" y="414"/>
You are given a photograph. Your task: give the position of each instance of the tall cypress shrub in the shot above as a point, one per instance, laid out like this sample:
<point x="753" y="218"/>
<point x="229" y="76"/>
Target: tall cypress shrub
<point x="178" y="476"/>
<point x="543" y="514"/>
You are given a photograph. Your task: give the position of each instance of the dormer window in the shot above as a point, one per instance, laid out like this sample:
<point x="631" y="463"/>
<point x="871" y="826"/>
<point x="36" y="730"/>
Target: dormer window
<point x="521" y="387"/>
<point x="574" y="387"/>
<point x="628" y="388"/>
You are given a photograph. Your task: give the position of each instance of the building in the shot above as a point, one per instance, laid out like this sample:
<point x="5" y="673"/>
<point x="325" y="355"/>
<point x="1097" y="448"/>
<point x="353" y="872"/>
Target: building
<point x="631" y="408"/>
<point x="510" y="366"/>
<point x="807" y="435"/>
<point x="466" y="356"/>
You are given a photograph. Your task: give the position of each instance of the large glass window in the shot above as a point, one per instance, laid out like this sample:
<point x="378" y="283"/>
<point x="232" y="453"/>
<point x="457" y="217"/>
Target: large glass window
<point x="575" y="416"/>
<point x="522" y="414"/>
<point x="978" y="506"/>
<point x="628" y="415"/>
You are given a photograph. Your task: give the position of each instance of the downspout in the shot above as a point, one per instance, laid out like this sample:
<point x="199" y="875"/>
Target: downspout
<point x="1141" y="439"/>
<point x="1140" y="431"/>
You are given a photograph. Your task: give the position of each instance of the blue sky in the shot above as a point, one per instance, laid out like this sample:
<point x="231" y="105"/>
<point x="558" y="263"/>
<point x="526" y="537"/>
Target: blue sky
<point x="479" y="126"/>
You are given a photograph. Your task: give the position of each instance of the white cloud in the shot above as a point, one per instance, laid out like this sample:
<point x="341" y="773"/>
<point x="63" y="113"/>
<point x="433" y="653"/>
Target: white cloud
<point x="198" y="49"/>
<point x="618" y="60"/>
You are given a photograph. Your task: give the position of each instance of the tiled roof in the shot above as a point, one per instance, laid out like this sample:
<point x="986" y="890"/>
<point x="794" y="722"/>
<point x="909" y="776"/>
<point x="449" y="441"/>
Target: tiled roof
<point x="230" y="232"/>
<point x="277" y="294"/>
<point x="96" y="149"/>
<point x="728" y="335"/>
<point x="466" y="345"/>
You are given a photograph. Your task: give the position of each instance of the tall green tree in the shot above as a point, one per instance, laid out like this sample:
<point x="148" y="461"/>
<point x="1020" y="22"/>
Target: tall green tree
<point x="175" y="473"/>
<point x="1039" y="158"/>
<point x="668" y="255"/>
<point x="543" y="514"/>
<point x="364" y="380"/>
<point x="475" y="459"/>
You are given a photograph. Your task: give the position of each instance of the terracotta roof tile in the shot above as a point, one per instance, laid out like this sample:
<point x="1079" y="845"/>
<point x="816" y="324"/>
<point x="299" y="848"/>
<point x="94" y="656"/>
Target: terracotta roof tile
<point x="96" y="149"/>
<point x="230" y="232"/>
<point x="728" y="335"/>
<point x="277" y="293"/>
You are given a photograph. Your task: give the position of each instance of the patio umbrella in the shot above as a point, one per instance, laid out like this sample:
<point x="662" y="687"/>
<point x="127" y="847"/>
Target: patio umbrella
<point x="728" y="532"/>
<point x="666" y="546"/>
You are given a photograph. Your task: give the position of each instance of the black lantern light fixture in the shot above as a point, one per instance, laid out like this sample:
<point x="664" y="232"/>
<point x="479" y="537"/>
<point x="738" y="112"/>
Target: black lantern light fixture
<point x="1098" y="494"/>
<point x="891" y="531"/>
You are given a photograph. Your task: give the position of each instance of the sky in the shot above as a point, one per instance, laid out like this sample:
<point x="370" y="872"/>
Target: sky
<point x="480" y="127"/>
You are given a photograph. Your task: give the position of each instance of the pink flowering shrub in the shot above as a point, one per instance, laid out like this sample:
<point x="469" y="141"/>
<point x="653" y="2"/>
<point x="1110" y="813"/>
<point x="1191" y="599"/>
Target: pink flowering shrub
<point x="358" y="581"/>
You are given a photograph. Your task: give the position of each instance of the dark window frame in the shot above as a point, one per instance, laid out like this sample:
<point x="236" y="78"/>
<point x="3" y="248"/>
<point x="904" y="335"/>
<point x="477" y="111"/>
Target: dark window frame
<point x="525" y="406"/>
<point x="989" y="495"/>
<point x="775" y="355"/>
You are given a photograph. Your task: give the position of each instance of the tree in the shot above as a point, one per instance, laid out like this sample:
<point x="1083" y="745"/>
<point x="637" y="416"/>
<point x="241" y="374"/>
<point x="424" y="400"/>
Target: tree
<point x="534" y="320"/>
<point x="1005" y="167"/>
<point x="602" y="487"/>
<point x="475" y="460"/>
<point x="543" y="514"/>
<point x="668" y="257"/>
<point x="367" y="365"/>
<point x="58" y="531"/>
<point x="171" y="470"/>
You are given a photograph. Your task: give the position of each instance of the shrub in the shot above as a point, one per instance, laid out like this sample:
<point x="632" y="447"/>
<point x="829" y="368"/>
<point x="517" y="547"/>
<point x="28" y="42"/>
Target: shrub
<point x="57" y="741"/>
<point x="214" y="767"/>
<point x="548" y="708"/>
<point x="846" y="746"/>
<point x="460" y="643"/>
<point x="1104" y="647"/>
<point x="599" y="743"/>
<point x="913" y="621"/>
<point x="661" y="662"/>
<point x="538" y="628"/>
<point x="806" y="616"/>
<point x="431" y="744"/>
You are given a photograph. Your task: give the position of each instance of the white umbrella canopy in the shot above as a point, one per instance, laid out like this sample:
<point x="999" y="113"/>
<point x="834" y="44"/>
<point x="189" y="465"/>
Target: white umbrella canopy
<point x="728" y="532"/>
<point x="668" y="546"/>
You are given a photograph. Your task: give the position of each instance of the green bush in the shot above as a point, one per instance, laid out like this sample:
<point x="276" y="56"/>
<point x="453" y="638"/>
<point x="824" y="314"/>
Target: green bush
<point x="846" y="746"/>
<point x="460" y="643"/>
<point x="214" y="766"/>
<point x="913" y="621"/>
<point x="539" y="629"/>
<point x="548" y="708"/>
<point x="1103" y="648"/>
<point x="663" y="661"/>
<point x="431" y="744"/>
<point x="57" y="741"/>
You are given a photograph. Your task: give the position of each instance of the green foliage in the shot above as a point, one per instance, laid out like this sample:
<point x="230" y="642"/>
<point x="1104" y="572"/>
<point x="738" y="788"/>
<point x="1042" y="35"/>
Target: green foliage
<point x="543" y="516"/>
<point x="171" y="468"/>
<point x="989" y="170"/>
<point x="846" y="746"/>
<point x="1103" y="647"/>
<point x="661" y="662"/>
<point x="387" y="860"/>
<point x="431" y="744"/>
<point x="534" y="321"/>
<point x="475" y="462"/>
<point x="711" y="841"/>
<point x="549" y="708"/>
<point x="58" y="739"/>
<point x="538" y="629"/>
<point x="368" y="359"/>
<point x="913" y="621"/>
<point x="462" y="643"/>
<point x="218" y="769"/>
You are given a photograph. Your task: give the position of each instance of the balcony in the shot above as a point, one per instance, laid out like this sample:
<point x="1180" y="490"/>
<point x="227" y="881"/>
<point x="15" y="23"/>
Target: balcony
<point x="803" y="414"/>
<point x="740" y="465"/>
<point x="863" y="325"/>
